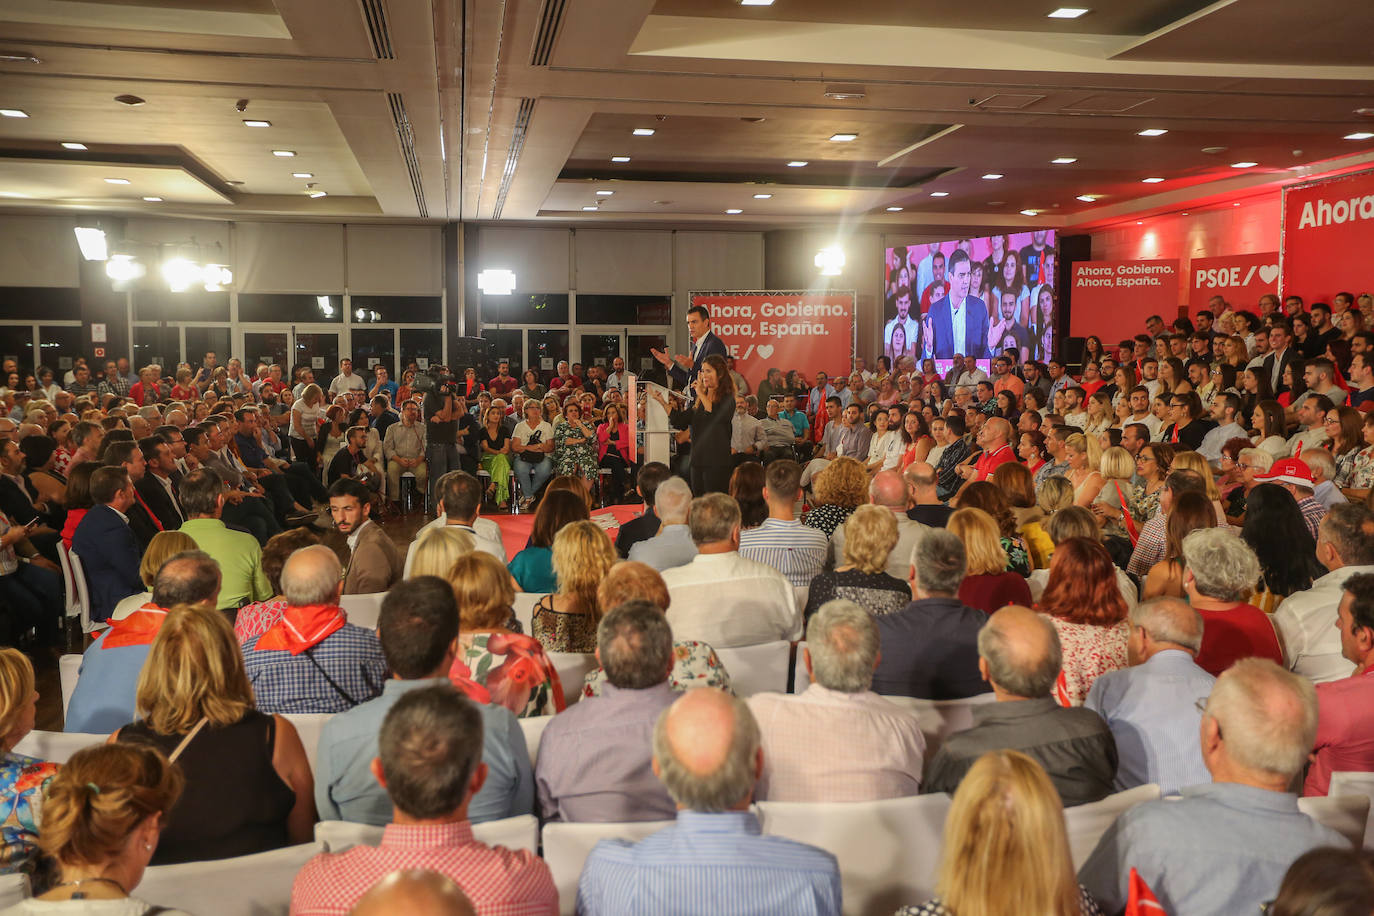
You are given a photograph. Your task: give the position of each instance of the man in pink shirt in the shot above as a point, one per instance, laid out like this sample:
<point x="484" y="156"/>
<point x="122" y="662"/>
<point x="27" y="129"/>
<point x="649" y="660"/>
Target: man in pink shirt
<point x="430" y="764"/>
<point x="1345" y="719"/>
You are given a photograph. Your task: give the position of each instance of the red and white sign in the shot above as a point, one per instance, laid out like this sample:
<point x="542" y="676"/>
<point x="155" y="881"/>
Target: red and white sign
<point x="1112" y="299"/>
<point x="1240" y="279"/>
<point x="786" y="329"/>
<point x="1328" y="232"/>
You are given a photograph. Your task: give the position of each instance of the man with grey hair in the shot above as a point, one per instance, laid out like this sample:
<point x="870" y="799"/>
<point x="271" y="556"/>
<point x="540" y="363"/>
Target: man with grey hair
<point x="594" y="760"/>
<point x="707" y="753"/>
<point x="930" y="647"/>
<point x="672" y="546"/>
<point x="875" y="748"/>
<point x="1306" y="620"/>
<point x="1020" y="656"/>
<point x="888" y="489"/>
<point x="1220" y="572"/>
<point x="722" y="598"/>
<point x="1323" y="468"/>
<point x="1151" y="707"/>
<point x="313" y="659"/>
<point x="1223" y="847"/>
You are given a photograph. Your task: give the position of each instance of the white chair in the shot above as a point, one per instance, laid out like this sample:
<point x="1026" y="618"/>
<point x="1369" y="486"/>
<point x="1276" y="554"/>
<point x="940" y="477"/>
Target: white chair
<point x="533" y="727"/>
<point x="1348" y="783"/>
<point x="1348" y="815"/>
<point x="572" y="668"/>
<point x="1087" y="823"/>
<point x="941" y="718"/>
<point x="56" y="747"/>
<point x="253" y="885"/>
<point x="308" y="726"/>
<point x="889" y="850"/>
<point x="68" y="670"/>
<point x="566" y="847"/>
<point x="74" y="607"/>
<point x="13" y="889"/>
<point x="83" y="593"/>
<point x="524" y="609"/>
<point x="801" y="678"/>
<point x="519" y="832"/>
<point x="363" y="610"/>
<point x="802" y="593"/>
<point x="757" y="669"/>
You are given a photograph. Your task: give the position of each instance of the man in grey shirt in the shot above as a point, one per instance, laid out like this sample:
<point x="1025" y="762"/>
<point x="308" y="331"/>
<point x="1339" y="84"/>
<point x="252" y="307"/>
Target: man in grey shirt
<point x="672" y="546"/>
<point x="1225" y="846"/>
<point x="746" y="430"/>
<point x="1020" y="656"/>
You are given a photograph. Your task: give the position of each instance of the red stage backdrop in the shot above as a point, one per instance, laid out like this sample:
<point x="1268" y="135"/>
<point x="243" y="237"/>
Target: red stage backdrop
<point x="1328" y="233"/>
<point x="1112" y="299"/>
<point x="1238" y="278"/>
<point x="786" y="329"/>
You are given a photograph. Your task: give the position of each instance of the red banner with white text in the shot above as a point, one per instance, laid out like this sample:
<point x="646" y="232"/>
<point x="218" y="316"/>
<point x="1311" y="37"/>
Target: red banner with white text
<point x="784" y="329"/>
<point x="1328" y="233"/>
<point x="1112" y="299"/>
<point x="1240" y="279"/>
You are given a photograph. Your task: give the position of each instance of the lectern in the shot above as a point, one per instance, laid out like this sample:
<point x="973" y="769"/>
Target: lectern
<point x="657" y="431"/>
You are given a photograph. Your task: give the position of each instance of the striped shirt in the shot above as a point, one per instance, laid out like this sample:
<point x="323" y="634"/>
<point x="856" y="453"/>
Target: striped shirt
<point x="498" y="881"/>
<point x="793" y="549"/>
<point x="709" y="863"/>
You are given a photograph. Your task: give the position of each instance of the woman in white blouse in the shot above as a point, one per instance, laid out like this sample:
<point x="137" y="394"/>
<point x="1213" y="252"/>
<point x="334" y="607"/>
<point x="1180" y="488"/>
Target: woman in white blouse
<point x="885" y="448"/>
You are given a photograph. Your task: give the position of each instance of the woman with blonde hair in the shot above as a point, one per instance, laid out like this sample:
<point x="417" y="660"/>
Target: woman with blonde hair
<point x="987" y="584"/>
<point x="1189" y="460"/>
<point x="163" y="546"/>
<point x="494" y="663"/>
<point x="566" y="620"/>
<point x="248" y="784"/>
<point x="307" y="413"/>
<point x="985" y="495"/>
<point x="438" y="549"/>
<point x="1084" y="456"/>
<point x="836" y="492"/>
<point x="1054" y="495"/>
<point x="1006" y="849"/>
<point x="105" y="814"/>
<point x="23" y="780"/>
<point x="1114" y="504"/>
<point x="870" y="533"/>
<point x="1082" y="601"/>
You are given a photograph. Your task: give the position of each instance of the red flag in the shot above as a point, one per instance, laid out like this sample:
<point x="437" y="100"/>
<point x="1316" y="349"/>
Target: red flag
<point x="1140" y="900"/>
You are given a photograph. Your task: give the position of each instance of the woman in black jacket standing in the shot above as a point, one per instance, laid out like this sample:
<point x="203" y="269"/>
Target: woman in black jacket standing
<point x="709" y="419"/>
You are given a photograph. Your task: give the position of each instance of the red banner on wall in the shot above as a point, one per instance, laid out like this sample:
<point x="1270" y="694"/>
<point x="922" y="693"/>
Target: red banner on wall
<point x="784" y="329"/>
<point x="1112" y="299"/>
<point x="1328" y="232"/>
<point x="1240" y="279"/>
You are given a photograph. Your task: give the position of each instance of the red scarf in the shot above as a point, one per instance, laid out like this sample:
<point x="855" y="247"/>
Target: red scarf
<point x="302" y="628"/>
<point x="138" y="629"/>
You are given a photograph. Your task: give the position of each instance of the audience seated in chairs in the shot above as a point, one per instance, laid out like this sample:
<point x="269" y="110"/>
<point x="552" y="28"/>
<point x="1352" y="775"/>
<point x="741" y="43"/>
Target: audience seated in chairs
<point x="374" y="562"/>
<point x="532" y="567"/>
<point x="647" y="525"/>
<point x="870" y="538"/>
<point x="1084" y="604"/>
<point x="418" y="629"/>
<point x="888" y="491"/>
<point x="781" y="540"/>
<point x="566" y="620"/>
<point x="875" y="748"/>
<point x="108" y="549"/>
<point x="163" y="546"/>
<point x="437" y="551"/>
<point x="988" y="583"/>
<point x="23" y="780"/>
<point x="238" y="554"/>
<point x="460" y="497"/>
<point x="248" y="783"/>
<point x="671" y="545"/>
<point x="257" y="618"/>
<point x="430" y="763"/>
<point x="1220" y="572"/>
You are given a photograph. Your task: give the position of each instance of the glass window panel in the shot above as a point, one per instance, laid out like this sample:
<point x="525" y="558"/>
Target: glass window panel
<point x="65" y="342"/>
<point x="525" y="308"/>
<point x="373" y="344"/>
<point x="288" y="307"/>
<point x="192" y="305"/>
<point x="402" y="309"/>
<point x="546" y="345"/>
<point x="624" y="310"/>
<point x="200" y="341"/>
<point x="16" y="343"/>
<point x="53" y="304"/>
<point x="264" y="347"/>
<point x="417" y="344"/>
<point x="160" y="345"/>
<point x="600" y="349"/>
<point x="640" y="361"/>
<point x="508" y="344"/>
<point x="318" y="353"/>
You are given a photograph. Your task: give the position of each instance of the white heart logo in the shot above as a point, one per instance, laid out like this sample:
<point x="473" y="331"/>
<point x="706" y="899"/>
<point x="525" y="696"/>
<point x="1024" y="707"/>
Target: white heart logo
<point x="1269" y="273"/>
<point x="764" y="350"/>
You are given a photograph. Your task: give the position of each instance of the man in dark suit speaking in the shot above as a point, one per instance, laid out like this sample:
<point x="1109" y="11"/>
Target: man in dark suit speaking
<point x="685" y="366"/>
<point x="959" y="322"/>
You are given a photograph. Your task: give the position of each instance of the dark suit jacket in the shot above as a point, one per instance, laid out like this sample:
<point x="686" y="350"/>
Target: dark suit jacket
<point x="110" y="555"/>
<point x="636" y="530"/>
<point x="975" y="342"/>
<point x="155" y="495"/>
<point x="375" y="564"/>
<point x="15" y="503"/>
<point x="1289" y="355"/>
<point x="709" y="344"/>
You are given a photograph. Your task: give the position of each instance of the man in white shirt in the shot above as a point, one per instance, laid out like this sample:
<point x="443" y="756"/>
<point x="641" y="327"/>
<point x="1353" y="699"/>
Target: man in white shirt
<point x="720" y="597"/>
<point x="1225" y="407"/>
<point x="1139" y="401"/>
<point x="970" y="376"/>
<point x="346" y="381"/>
<point x="672" y="546"/>
<point x="460" y="494"/>
<point x="1311" y="415"/>
<point x="874" y="748"/>
<point x="532" y="443"/>
<point x="887" y="489"/>
<point x="783" y="542"/>
<point x="617" y="379"/>
<point x="1306" y="620"/>
<point x="1073" y="402"/>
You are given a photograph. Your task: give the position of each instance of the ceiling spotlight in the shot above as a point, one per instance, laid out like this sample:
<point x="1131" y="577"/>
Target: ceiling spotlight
<point x="843" y="138"/>
<point x="496" y="282"/>
<point x="1236" y="204"/>
<point x="1151" y="180"/>
<point x="939" y="193"/>
<point x="256" y="123"/>
<point x="1030" y="212"/>
<point x="620" y="158"/>
<point x="992" y="176"/>
<point x="319" y="193"/>
<point x="180" y="274"/>
<point x="1140" y="222"/>
<point x="894" y="209"/>
<point x="216" y="277"/>
<point x="1063" y="160"/>
<point x="1151" y="132"/>
<point x="1067" y="12"/>
<point x="830" y="261"/>
<point x="1360" y="135"/>
<point x="91" y="241"/>
<point x="593" y="207"/>
<point x="12" y="113"/>
<point x="122" y="268"/>
<point x="1086" y="198"/>
<point x="604" y="193"/>
<point x="1244" y="165"/>
<point x="734" y="211"/>
<point x="763" y="197"/>
<point x="798" y="164"/>
<point x="1214" y="150"/>
<point x="643" y="131"/>
<point x="153" y="200"/>
<point x="69" y="145"/>
<point x="302" y="174"/>
<point x="284" y="153"/>
<point x="117" y="181"/>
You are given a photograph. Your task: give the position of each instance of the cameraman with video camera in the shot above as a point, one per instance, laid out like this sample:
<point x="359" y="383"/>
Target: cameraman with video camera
<point x="532" y="442"/>
<point x="447" y="427"/>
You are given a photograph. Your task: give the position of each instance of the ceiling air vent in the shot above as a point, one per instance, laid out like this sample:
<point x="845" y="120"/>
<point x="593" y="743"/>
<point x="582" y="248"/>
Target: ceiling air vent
<point x="1108" y="103"/>
<point x="378" y="32"/>
<point x="517" y="143"/>
<point x="406" y="137"/>
<point x="1007" y="101"/>
<point x="550" y="20"/>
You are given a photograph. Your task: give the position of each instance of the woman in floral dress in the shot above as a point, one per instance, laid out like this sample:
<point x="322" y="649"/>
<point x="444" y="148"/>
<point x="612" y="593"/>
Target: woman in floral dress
<point x="23" y="780"/>
<point x="574" y="444"/>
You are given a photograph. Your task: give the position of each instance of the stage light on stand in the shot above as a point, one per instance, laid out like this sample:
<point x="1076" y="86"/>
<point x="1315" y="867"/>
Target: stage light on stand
<point x="122" y="268"/>
<point x="92" y="243"/>
<point x="216" y="277"/>
<point x="496" y="282"/>
<point x="830" y="261"/>
<point x="181" y="274"/>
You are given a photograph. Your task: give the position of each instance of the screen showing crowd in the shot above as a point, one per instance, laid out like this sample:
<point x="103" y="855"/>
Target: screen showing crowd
<point x="974" y="297"/>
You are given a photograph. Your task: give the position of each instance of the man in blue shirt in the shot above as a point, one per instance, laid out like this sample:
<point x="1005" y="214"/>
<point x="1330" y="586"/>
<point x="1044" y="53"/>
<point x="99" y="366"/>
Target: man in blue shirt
<point x="707" y="753"/>
<point x="419" y="633"/>
<point x="799" y="422"/>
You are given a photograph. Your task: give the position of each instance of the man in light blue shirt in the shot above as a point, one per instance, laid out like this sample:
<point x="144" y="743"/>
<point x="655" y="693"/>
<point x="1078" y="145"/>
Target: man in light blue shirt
<point x="673" y="545"/>
<point x="714" y="859"/>
<point x="418" y="629"/>
<point x="1225" y="846"/>
<point x="1151" y="707"/>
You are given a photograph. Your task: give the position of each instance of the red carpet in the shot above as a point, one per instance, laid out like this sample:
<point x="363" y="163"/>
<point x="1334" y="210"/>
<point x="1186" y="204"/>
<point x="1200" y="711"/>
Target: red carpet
<point x="515" y="529"/>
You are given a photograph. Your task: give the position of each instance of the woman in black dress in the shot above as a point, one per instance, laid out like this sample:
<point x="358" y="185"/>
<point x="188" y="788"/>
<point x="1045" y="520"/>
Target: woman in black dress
<point x="709" y="420"/>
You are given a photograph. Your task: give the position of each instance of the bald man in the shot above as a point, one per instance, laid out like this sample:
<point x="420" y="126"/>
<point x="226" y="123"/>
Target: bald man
<point x="707" y="753"/>
<point x="1151" y="707"/>
<point x="889" y="490"/>
<point x="995" y="441"/>
<point x="415" y="892"/>
<point x="1020" y="656"/>
<point x="923" y="501"/>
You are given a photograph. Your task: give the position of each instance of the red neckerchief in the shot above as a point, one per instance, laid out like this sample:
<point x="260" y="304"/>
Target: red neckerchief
<point x="138" y="629"/>
<point x="302" y="628"/>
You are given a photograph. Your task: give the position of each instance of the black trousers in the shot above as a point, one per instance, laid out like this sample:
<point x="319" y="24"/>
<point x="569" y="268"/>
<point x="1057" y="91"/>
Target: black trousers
<point x="710" y="479"/>
<point x="615" y="463"/>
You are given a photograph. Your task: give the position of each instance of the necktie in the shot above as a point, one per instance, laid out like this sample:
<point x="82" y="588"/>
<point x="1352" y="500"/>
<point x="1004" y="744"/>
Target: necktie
<point x="156" y="522"/>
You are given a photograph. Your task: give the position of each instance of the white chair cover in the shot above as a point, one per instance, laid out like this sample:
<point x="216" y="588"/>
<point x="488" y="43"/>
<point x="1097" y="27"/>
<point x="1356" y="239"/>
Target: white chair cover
<point x="363" y="610"/>
<point x="1087" y="823"/>
<point x="533" y="727"/>
<point x="941" y="718"/>
<point x="572" y="668"/>
<point x="1348" y="815"/>
<point x="68" y="671"/>
<point x="255" y="885"/>
<point x="524" y="609"/>
<point x="1348" y="783"/>
<point x="566" y="847"/>
<point x="757" y="669"/>
<point x="56" y="747"/>
<point x="308" y="726"/>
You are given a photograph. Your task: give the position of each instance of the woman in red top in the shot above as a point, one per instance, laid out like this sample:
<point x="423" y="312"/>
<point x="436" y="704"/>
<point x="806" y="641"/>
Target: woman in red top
<point x="988" y="585"/>
<point x="1221" y="573"/>
<point x="613" y="451"/>
<point x="916" y="439"/>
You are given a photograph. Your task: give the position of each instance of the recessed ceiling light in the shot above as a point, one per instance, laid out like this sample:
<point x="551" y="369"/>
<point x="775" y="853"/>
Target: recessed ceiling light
<point x="1244" y="165"/>
<point x="734" y="210"/>
<point x="1030" y="212"/>
<point x="620" y="158"/>
<point x="302" y="174"/>
<point x="116" y="181"/>
<point x="256" y="123"/>
<point x="1063" y="160"/>
<point x="284" y="153"/>
<point x="1151" y="180"/>
<point x="992" y="176"/>
<point x="1140" y="222"/>
<point x="798" y="164"/>
<point x="1087" y="198"/>
<point x="1214" y="150"/>
<point x="319" y="194"/>
<point x="1360" y="135"/>
<point x="153" y="200"/>
<point x="12" y="113"/>
<point x="843" y="138"/>
<point x="73" y="146"/>
<point x="1236" y="204"/>
<point x="604" y="193"/>
<point x="939" y="193"/>
<point x="1067" y="12"/>
<point x="643" y="131"/>
<point x="1185" y="213"/>
<point x="1151" y="132"/>
<point x="592" y="207"/>
<point x="755" y="2"/>
<point x="763" y="197"/>
<point x="996" y="203"/>
<point x="893" y="209"/>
